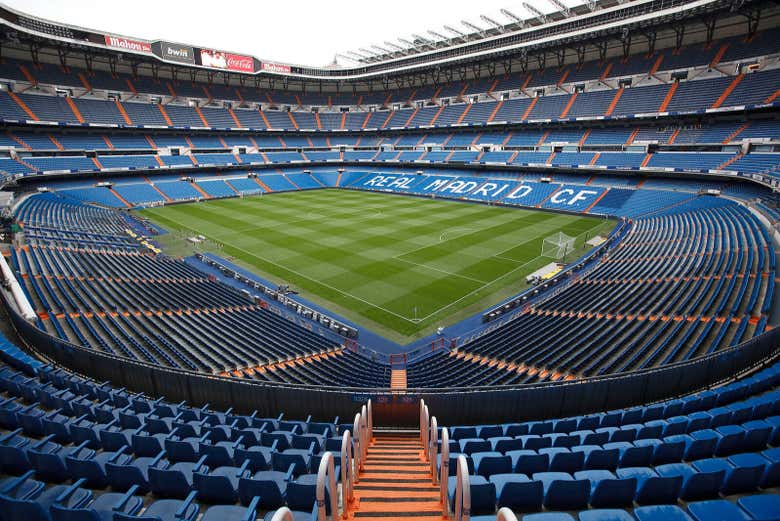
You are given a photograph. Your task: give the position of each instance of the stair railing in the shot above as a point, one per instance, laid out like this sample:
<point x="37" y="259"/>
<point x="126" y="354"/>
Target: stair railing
<point x="462" y="491"/>
<point x="433" y="442"/>
<point x="327" y="471"/>
<point x="347" y="472"/>
<point x="444" y="471"/>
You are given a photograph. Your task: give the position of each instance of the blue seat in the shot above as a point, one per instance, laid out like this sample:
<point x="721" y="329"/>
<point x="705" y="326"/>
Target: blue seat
<point x="764" y="507"/>
<point x="695" y="484"/>
<point x="37" y="507"/>
<point x="731" y="441"/>
<point x="630" y="455"/>
<point x="92" y="467"/>
<point x="23" y="489"/>
<point x="122" y="476"/>
<point x="174" y="480"/>
<point x="483" y="494"/>
<point x="219" y="485"/>
<point x="101" y="509"/>
<point x="259" y="457"/>
<point x="165" y="510"/>
<point x="719" y="509"/>
<point x="564" y="460"/>
<point x="518" y="492"/>
<point x="471" y="445"/>
<point x="606" y="514"/>
<point x="772" y="473"/>
<point x="232" y="512"/>
<point x="549" y="516"/>
<point x="299" y="459"/>
<point x="745" y="476"/>
<point x="302" y="493"/>
<point x="489" y="463"/>
<point x="597" y="458"/>
<point x="269" y="485"/>
<point x="528" y="462"/>
<point x="562" y="491"/>
<point x="661" y="513"/>
<point x="607" y="490"/>
<point x="504" y="444"/>
<point x="652" y="489"/>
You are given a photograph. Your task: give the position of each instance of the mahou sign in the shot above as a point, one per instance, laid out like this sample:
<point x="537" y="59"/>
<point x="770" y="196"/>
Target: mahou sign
<point x="129" y="45"/>
<point x="276" y="67"/>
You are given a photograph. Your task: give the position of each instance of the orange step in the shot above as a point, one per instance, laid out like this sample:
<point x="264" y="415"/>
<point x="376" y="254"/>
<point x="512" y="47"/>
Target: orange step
<point x="27" y="110"/>
<point x="733" y="85"/>
<point x="202" y="117"/>
<point x="74" y="109"/>
<point x="395" y="482"/>
<point x="235" y="118"/>
<point x="123" y="112"/>
<point x="292" y="120"/>
<point x="614" y="102"/>
<point x="463" y="115"/>
<point x="165" y="115"/>
<point x="495" y="110"/>
<point x="529" y="109"/>
<point x="567" y="108"/>
<point x="719" y="55"/>
<point x="668" y="98"/>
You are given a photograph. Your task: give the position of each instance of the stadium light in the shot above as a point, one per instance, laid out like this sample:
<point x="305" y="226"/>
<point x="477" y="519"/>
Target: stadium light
<point x="386" y="51"/>
<point x="492" y="22"/>
<point x="561" y="7"/>
<point x="437" y="35"/>
<point x="475" y="28"/>
<point x="458" y="34"/>
<point x="512" y="16"/>
<point x="540" y="15"/>
<point x="394" y="46"/>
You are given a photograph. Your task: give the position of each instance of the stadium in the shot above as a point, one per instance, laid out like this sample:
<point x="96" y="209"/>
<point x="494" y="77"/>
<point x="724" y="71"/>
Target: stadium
<point x="522" y="271"/>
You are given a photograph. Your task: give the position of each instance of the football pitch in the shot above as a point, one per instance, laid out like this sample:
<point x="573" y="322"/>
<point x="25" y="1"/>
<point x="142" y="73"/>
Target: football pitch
<point x="402" y="266"/>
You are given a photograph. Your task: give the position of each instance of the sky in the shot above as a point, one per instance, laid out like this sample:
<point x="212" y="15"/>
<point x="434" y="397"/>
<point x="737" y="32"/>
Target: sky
<point x="305" y="32"/>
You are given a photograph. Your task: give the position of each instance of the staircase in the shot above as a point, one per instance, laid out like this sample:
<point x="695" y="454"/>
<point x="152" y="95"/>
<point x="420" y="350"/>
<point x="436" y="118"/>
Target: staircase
<point x="395" y="482"/>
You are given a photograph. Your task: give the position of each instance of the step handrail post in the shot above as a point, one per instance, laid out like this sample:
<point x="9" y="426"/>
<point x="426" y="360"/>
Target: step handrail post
<point x="347" y="493"/>
<point x="505" y="514"/>
<point x="283" y="514"/>
<point x="433" y="442"/>
<point x="357" y="450"/>
<point x="327" y="471"/>
<point x="370" y="420"/>
<point x="444" y="472"/>
<point x="363" y="433"/>
<point x="462" y="491"/>
<point x="422" y="422"/>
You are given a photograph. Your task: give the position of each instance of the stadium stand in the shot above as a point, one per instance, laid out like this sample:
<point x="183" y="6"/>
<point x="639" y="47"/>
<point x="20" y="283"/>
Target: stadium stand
<point x="639" y="381"/>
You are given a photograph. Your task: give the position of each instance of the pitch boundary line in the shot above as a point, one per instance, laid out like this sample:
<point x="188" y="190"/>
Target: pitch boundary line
<point x="441" y="271"/>
<point x="304" y="276"/>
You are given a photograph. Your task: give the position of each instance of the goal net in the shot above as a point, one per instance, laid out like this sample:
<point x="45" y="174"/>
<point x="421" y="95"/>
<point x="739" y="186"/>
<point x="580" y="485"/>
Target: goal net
<point x="557" y="246"/>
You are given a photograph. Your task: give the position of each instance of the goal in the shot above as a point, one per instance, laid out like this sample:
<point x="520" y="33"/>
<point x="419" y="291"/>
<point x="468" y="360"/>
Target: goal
<point x="557" y="246"/>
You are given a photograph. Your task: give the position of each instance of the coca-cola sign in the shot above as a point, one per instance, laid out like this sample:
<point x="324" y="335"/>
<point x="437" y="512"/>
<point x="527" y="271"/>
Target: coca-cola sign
<point x="225" y="60"/>
<point x="127" y="44"/>
<point x="275" y="67"/>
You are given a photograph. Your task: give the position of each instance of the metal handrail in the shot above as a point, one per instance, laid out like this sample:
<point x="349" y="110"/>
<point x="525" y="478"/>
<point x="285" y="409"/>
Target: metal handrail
<point x="433" y="440"/>
<point x="462" y="491"/>
<point x="444" y="471"/>
<point x="357" y="450"/>
<point x="283" y="514"/>
<point x="347" y="472"/>
<point x="424" y="420"/>
<point x="327" y="471"/>
<point x="505" y="514"/>
<point x="370" y="420"/>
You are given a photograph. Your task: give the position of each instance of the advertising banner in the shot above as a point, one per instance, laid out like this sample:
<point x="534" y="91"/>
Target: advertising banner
<point x="275" y="67"/>
<point x="177" y="53"/>
<point x="227" y="61"/>
<point x="127" y="44"/>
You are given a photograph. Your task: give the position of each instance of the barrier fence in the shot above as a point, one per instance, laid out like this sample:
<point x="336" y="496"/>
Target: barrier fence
<point x="452" y="405"/>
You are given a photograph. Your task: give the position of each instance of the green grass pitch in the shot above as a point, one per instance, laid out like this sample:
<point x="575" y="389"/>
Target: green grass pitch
<point x="402" y="266"/>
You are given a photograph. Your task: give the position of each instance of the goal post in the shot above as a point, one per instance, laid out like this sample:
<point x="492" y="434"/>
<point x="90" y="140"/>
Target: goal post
<point x="557" y="246"/>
